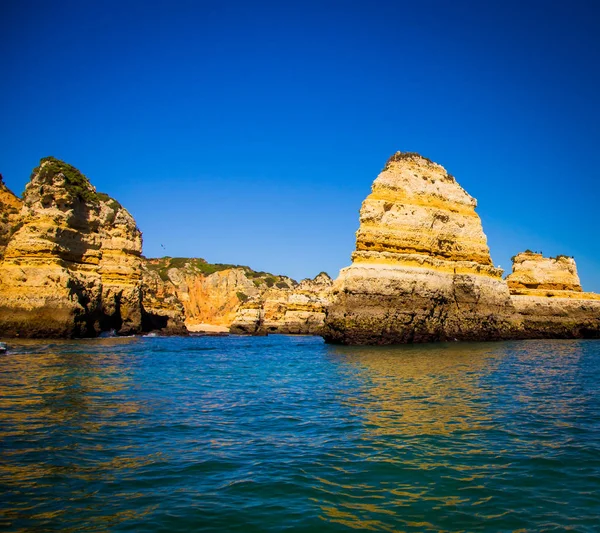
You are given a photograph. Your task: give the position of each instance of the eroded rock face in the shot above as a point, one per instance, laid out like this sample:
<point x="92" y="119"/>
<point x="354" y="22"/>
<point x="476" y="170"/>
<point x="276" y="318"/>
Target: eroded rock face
<point x="161" y="308"/>
<point x="298" y="310"/>
<point x="422" y="270"/>
<point x="559" y="316"/>
<point x="210" y="294"/>
<point x="10" y="214"/>
<point x="533" y="271"/>
<point x="213" y="299"/>
<point x="547" y="294"/>
<point x="72" y="265"/>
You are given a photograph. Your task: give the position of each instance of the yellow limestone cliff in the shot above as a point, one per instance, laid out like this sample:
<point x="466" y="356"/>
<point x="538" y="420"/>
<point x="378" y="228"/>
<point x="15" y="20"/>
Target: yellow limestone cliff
<point x="297" y="310"/>
<point x="10" y="214"/>
<point x="533" y="272"/>
<point x="209" y="294"/>
<point x="71" y="265"/>
<point x="547" y="294"/>
<point x="421" y="270"/>
<point x="162" y="310"/>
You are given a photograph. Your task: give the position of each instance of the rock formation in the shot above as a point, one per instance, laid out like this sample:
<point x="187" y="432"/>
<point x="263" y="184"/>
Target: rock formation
<point x="300" y="310"/>
<point x="161" y="308"/>
<point x="210" y="294"/>
<point x="547" y="294"/>
<point x="422" y="270"/>
<point x="71" y="264"/>
<point x="532" y="271"/>
<point x="10" y="209"/>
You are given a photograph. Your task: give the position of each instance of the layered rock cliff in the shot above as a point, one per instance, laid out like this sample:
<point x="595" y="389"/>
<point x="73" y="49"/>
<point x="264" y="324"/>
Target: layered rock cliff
<point x="71" y="264"/>
<point x="532" y="271"/>
<point x="209" y="294"/>
<point x="547" y="294"/>
<point x="422" y="270"/>
<point x="299" y="310"/>
<point x="10" y="214"/>
<point x="161" y="308"/>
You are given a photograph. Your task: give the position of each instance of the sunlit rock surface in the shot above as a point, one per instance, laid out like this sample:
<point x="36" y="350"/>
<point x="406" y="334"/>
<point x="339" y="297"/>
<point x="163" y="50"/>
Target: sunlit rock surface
<point x="10" y="215"/>
<point x="547" y="293"/>
<point x="210" y="295"/>
<point x="421" y="270"/>
<point x="71" y="264"/>
<point x="299" y="310"/>
<point x="532" y="271"/>
<point x="162" y="309"/>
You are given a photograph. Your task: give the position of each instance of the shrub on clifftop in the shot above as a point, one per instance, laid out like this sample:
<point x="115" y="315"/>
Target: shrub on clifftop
<point x="76" y="183"/>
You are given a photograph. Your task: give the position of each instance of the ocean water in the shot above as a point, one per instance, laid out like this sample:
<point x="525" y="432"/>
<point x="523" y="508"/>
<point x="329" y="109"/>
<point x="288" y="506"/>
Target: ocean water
<point x="289" y="434"/>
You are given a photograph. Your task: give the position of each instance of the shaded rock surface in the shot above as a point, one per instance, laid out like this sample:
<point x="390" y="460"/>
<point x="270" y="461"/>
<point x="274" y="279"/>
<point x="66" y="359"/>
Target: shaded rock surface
<point x="422" y="270"/>
<point x="71" y="264"/>
<point x="299" y="310"/>
<point x="162" y="309"/>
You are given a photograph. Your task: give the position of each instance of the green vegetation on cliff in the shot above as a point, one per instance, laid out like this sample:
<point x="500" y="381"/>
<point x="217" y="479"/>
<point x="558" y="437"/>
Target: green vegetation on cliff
<point x="76" y="182"/>
<point x="200" y="266"/>
<point x="401" y="156"/>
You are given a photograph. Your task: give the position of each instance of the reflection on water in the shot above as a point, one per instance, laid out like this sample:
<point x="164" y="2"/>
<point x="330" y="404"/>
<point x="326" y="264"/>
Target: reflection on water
<point x="445" y="423"/>
<point x="267" y="434"/>
<point x="420" y="390"/>
<point x="55" y="407"/>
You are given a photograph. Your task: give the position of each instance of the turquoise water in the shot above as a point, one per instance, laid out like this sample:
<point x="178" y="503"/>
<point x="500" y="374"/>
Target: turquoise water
<point x="289" y="434"/>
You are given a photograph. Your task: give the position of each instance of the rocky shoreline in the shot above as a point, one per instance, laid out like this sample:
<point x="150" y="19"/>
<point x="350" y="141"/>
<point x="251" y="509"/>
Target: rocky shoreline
<point x="71" y="265"/>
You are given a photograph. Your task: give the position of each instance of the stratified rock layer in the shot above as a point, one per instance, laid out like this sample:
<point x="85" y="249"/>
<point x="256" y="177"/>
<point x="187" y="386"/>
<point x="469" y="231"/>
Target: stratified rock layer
<point x="547" y="294"/>
<point x="533" y="271"/>
<point x="299" y="310"/>
<point x="10" y="214"/>
<point x="71" y="264"/>
<point x="422" y="270"/>
<point x="162" y="310"/>
<point x="209" y="294"/>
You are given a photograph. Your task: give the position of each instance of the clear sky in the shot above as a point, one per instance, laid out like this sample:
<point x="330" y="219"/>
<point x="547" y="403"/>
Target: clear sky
<point x="250" y="132"/>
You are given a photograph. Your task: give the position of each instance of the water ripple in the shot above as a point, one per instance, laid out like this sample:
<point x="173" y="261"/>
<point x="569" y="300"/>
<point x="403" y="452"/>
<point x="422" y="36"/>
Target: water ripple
<point x="286" y="433"/>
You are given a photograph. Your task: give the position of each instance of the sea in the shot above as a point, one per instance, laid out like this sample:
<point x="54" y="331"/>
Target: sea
<point x="284" y="433"/>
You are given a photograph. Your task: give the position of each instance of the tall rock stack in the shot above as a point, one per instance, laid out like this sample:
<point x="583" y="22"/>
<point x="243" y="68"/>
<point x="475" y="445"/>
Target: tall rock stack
<point x="547" y="294"/>
<point x="422" y="270"/>
<point x="72" y="264"/>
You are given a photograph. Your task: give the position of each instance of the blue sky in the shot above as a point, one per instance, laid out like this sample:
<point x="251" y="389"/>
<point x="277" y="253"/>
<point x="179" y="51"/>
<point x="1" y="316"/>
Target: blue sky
<point x="250" y="132"/>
